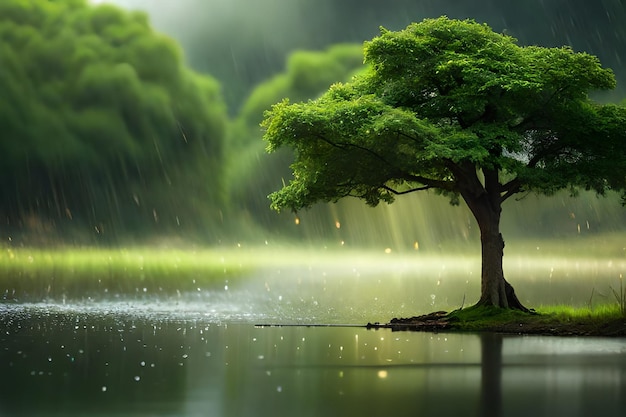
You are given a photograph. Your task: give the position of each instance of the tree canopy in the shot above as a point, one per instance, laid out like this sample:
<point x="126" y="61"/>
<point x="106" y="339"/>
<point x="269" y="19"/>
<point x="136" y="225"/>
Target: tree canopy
<point x="444" y="95"/>
<point x="99" y="112"/>
<point x="453" y="106"/>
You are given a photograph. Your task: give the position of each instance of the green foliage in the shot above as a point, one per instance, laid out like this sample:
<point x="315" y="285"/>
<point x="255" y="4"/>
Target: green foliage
<point x="307" y="74"/>
<point x="620" y="296"/>
<point x="254" y="174"/>
<point x="445" y="99"/>
<point x="99" y="118"/>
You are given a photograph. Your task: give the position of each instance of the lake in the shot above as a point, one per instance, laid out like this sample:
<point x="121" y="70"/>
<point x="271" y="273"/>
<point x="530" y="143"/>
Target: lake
<point x="200" y="352"/>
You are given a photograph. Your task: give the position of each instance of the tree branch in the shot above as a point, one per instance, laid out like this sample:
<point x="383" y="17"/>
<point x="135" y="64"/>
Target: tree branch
<point x="428" y="182"/>
<point x="345" y="146"/>
<point x="391" y="190"/>
<point x="510" y="188"/>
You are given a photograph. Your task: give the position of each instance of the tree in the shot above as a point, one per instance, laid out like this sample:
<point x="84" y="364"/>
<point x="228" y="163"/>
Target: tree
<point x="101" y="123"/>
<point x="253" y="173"/>
<point x="452" y="106"/>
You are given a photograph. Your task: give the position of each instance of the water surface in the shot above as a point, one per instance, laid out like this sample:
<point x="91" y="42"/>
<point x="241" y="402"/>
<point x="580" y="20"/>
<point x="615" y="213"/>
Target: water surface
<point x="197" y="352"/>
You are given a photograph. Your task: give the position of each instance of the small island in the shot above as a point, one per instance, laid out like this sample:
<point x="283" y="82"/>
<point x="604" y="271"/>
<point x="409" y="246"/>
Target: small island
<point x="608" y="321"/>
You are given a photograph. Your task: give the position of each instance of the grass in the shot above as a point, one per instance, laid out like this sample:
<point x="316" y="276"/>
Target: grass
<point x="37" y="273"/>
<point x="620" y="296"/>
<point x="603" y="320"/>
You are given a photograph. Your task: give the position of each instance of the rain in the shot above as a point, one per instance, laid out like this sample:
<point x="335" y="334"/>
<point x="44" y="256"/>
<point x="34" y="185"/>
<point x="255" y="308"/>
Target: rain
<point x="143" y="270"/>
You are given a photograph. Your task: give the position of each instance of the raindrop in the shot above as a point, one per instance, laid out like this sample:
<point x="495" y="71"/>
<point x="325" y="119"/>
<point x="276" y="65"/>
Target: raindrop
<point x="137" y="378"/>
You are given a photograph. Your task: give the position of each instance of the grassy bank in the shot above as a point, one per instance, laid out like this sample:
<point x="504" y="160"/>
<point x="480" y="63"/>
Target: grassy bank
<point x="79" y="272"/>
<point x="603" y="320"/>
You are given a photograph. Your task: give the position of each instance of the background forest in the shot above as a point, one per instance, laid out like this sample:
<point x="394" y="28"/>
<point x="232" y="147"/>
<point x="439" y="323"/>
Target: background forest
<point x="138" y="120"/>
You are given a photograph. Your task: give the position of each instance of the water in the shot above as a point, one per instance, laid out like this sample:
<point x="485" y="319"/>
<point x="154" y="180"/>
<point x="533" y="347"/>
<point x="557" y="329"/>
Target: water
<point x="199" y="353"/>
<point x="74" y="364"/>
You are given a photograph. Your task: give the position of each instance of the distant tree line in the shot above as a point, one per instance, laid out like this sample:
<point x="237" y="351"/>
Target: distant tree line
<point x="101" y="124"/>
<point x="106" y="133"/>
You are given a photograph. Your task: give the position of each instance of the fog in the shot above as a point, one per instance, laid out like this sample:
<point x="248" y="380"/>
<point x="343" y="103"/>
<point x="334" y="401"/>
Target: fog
<point x="145" y="186"/>
<point x="247" y="41"/>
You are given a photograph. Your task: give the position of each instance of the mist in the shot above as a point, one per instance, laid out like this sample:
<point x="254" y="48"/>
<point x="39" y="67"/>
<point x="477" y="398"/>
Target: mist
<point x="209" y="181"/>
<point x="142" y="271"/>
<point x="247" y="41"/>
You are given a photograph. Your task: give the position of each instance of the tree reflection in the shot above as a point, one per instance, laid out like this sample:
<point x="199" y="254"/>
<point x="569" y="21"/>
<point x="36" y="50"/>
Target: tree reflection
<point x="491" y="375"/>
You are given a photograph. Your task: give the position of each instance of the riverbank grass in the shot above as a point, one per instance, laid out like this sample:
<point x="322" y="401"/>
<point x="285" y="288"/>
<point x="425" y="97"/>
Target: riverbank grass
<point x="602" y="320"/>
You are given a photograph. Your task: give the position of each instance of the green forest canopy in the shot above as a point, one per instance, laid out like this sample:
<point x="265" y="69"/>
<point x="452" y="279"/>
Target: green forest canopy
<point x="100" y="120"/>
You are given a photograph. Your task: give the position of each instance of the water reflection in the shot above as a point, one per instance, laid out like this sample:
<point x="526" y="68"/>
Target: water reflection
<point x="73" y="363"/>
<point x="491" y="375"/>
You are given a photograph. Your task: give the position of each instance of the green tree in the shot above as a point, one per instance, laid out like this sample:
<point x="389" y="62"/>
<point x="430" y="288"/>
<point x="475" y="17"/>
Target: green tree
<point x="101" y="124"/>
<point x="252" y="173"/>
<point x="452" y="106"/>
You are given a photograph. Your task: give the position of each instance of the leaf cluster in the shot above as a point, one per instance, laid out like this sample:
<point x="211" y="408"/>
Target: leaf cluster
<point x="443" y="100"/>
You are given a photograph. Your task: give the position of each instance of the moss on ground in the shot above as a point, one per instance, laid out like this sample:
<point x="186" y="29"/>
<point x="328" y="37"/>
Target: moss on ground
<point x="554" y="320"/>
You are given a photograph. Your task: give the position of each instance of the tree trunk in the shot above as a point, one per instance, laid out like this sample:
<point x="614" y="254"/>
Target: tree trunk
<point x="485" y="203"/>
<point x="495" y="290"/>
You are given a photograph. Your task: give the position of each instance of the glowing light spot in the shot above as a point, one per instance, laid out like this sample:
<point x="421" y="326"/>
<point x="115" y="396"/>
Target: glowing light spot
<point x="382" y="374"/>
<point x="337" y="224"/>
<point x="416" y="245"/>
<point x="297" y="221"/>
<point x="387" y="250"/>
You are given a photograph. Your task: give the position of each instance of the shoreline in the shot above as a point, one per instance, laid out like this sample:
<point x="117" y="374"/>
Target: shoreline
<point x="508" y="322"/>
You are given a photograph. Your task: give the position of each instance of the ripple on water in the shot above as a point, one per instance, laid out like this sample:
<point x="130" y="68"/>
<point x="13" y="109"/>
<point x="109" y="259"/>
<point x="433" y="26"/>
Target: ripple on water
<point x="215" y="312"/>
